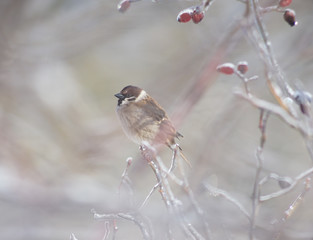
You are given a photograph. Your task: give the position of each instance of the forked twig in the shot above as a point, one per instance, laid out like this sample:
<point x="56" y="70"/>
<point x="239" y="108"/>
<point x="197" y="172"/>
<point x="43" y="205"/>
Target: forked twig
<point x="107" y="230"/>
<point x="127" y="216"/>
<point x="292" y="208"/>
<point x="73" y="237"/>
<point x="149" y="195"/>
<point x="216" y="192"/>
<point x="281" y="192"/>
<point x="172" y="203"/>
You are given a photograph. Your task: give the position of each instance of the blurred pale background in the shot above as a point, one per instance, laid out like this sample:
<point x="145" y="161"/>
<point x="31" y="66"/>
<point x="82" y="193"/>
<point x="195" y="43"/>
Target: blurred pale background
<point x="62" y="149"/>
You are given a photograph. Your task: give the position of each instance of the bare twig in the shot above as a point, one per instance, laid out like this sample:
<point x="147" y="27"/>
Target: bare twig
<point x="149" y="195"/>
<point x="274" y="109"/>
<point x="194" y="232"/>
<point x="264" y="115"/>
<point x="127" y="216"/>
<point x="151" y="154"/>
<point x="169" y="174"/>
<point x="272" y="9"/>
<point x="173" y="162"/>
<point x="115" y="229"/>
<point x="125" y="180"/>
<point x="282" y="181"/>
<point x="194" y="202"/>
<point x="281" y="192"/>
<point x="176" y="208"/>
<point x="244" y="79"/>
<point x="256" y="190"/>
<point x="292" y="208"/>
<point x="73" y="237"/>
<point x="107" y="230"/>
<point x="172" y="203"/>
<point x="216" y="192"/>
<point x="256" y="187"/>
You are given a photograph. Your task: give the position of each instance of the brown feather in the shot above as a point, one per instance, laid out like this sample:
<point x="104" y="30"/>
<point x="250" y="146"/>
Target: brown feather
<point x="145" y="120"/>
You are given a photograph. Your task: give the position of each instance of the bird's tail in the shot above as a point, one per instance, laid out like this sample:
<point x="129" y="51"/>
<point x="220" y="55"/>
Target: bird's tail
<point x="184" y="157"/>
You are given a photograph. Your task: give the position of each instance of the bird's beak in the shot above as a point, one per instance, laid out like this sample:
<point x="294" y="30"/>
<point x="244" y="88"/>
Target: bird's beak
<point x="119" y="96"/>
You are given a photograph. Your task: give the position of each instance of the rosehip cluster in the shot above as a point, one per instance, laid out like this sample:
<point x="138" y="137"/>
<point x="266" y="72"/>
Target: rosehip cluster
<point x="289" y="14"/>
<point x="229" y="68"/>
<point x="194" y="13"/>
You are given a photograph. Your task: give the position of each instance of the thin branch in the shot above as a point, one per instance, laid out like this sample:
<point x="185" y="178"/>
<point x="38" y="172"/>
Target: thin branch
<point x="162" y="184"/>
<point x="185" y="225"/>
<point x="127" y="216"/>
<point x="194" y="232"/>
<point x="256" y="190"/>
<point x="73" y="237"/>
<point x="292" y="208"/>
<point x="264" y="115"/>
<point x="149" y="195"/>
<point x="219" y="192"/>
<point x="244" y="79"/>
<point x="115" y="229"/>
<point x="193" y="200"/>
<point x="282" y="181"/>
<point x="125" y="180"/>
<point x="281" y="192"/>
<point x="173" y="161"/>
<point x="274" y="109"/>
<point x="107" y="230"/>
<point x="172" y="203"/>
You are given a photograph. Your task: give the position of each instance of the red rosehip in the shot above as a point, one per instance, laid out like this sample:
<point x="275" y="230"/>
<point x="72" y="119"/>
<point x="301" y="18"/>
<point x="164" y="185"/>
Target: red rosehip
<point x="185" y="15"/>
<point x="197" y="15"/>
<point x="284" y="3"/>
<point x="290" y="17"/>
<point x="242" y="67"/>
<point x="123" y="5"/>
<point x="226" y="68"/>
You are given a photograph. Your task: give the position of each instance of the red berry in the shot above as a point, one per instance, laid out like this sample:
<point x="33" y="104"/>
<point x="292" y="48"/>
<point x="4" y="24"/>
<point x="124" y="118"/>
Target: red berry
<point x="185" y="15"/>
<point x="226" y="68"/>
<point x="197" y="15"/>
<point x="290" y="17"/>
<point x="123" y="5"/>
<point x="242" y="67"/>
<point x="284" y="3"/>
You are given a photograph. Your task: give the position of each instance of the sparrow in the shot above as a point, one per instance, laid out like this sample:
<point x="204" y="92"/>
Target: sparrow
<point x="143" y="119"/>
